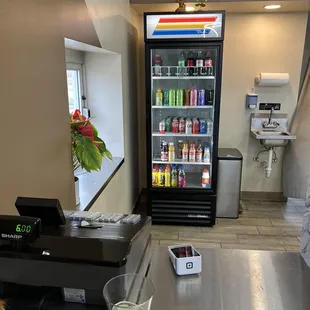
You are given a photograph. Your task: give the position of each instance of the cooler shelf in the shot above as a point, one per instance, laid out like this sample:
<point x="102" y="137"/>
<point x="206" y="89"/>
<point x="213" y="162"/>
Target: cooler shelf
<point x="157" y="160"/>
<point x="172" y="134"/>
<point x="183" y="107"/>
<point x="183" y="77"/>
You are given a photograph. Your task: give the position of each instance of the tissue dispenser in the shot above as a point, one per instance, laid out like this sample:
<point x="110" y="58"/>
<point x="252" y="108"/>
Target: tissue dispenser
<point x="251" y="100"/>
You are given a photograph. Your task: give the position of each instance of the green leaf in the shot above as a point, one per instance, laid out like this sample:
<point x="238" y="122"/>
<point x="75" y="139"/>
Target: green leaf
<point x="78" y="124"/>
<point x="108" y="154"/>
<point x="88" y="154"/>
<point x="95" y="131"/>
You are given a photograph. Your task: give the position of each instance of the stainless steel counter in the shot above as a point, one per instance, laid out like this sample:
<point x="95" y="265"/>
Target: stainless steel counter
<point x="233" y="280"/>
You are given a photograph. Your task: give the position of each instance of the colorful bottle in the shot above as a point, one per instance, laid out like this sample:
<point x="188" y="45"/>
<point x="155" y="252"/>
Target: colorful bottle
<point x="190" y="63"/>
<point x="171" y="152"/>
<point x="175" y="125"/>
<point x="192" y="153"/>
<point x="208" y="64"/>
<point x="157" y="65"/>
<point x="180" y="148"/>
<point x="210" y="96"/>
<point x="181" y="61"/>
<point x="164" y="151"/>
<point x="167" y="176"/>
<point x="172" y="97"/>
<point x="206" y="155"/>
<point x="181" y="125"/>
<point x="162" y="126"/>
<point x="174" y="176"/>
<point x="187" y="94"/>
<point x="180" y="95"/>
<point x="181" y="177"/>
<point x="159" y="97"/>
<point x="168" y="124"/>
<point x="161" y="176"/>
<point x="155" y="176"/>
<point x="199" y="63"/>
<point x="205" y="180"/>
<point x="193" y="97"/>
<point x="199" y="153"/>
<point x="185" y="152"/>
<point x="201" y="97"/>
<point x="166" y="98"/>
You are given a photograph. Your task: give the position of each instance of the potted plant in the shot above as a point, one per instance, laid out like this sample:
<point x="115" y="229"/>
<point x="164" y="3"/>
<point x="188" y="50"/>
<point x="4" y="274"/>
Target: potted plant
<point x="200" y="5"/>
<point x="88" y="149"/>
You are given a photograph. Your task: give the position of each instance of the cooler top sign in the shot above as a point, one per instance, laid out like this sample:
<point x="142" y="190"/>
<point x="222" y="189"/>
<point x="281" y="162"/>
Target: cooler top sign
<point x="184" y="26"/>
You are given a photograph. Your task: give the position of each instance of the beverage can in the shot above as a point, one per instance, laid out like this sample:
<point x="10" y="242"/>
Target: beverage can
<point x="181" y="125"/>
<point x="195" y="126"/>
<point x="164" y="151"/>
<point x="209" y="126"/>
<point x="166" y="98"/>
<point x="175" y="125"/>
<point x="188" y="126"/>
<point x="203" y="126"/>
<point x="210" y="96"/>
<point x="179" y="100"/>
<point x="171" y="152"/>
<point x="168" y="124"/>
<point x="162" y="126"/>
<point x="159" y="97"/>
<point x="179" y="150"/>
<point x="186" y="99"/>
<point x="201" y="97"/>
<point x="171" y="97"/>
<point x="193" y="97"/>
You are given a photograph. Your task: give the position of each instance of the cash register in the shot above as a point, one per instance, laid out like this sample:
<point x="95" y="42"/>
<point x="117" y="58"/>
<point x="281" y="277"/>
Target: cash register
<point x="55" y="259"/>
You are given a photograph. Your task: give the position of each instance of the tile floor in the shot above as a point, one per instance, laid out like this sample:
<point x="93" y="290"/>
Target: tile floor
<point x="271" y="226"/>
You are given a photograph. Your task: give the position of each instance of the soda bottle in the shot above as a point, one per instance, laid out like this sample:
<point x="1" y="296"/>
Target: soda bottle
<point x="181" y="63"/>
<point x="188" y="126"/>
<point x="210" y="96"/>
<point x="171" y="152"/>
<point x="208" y="64"/>
<point x="199" y="153"/>
<point x="185" y="152"/>
<point x="155" y="176"/>
<point x="182" y="177"/>
<point x="174" y="176"/>
<point x="192" y="153"/>
<point x="166" y="98"/>
<point x="190" y="63"/>
<point x="159" y="97"/>
<point x="167" y="176"/>
<point x="172" y="97"/>
<point x="199" y="63"/>
<point x="175" y="125"/>
<point x="179" y="150"/>
<point x="168" y="124"/>
<point x="157" y="65"/>
<point x="181" y="125"/>
<point x="205" y="180"/>
<point x="164" y="151"/>
<point x="162" y="126"/>
<point x="206" y="155"/>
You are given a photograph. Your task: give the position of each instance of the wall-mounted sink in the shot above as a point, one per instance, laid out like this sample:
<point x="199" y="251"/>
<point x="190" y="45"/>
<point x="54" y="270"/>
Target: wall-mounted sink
<point x="276" y="137"/>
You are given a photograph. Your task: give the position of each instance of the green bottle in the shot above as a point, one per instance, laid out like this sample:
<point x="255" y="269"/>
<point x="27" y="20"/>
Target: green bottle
<point x="174" y="176"/>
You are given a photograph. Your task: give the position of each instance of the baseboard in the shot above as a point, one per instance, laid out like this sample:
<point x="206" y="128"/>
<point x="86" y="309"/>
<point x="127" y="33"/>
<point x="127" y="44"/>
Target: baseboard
<point x="263" y="196"/>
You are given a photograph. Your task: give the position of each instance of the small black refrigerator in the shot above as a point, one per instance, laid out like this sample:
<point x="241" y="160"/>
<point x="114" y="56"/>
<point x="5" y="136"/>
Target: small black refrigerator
<point x="183" y="54"/>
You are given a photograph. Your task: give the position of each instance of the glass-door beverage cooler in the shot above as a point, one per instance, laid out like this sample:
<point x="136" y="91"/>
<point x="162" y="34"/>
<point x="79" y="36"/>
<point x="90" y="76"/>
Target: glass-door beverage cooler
<point x="183" y="87"/>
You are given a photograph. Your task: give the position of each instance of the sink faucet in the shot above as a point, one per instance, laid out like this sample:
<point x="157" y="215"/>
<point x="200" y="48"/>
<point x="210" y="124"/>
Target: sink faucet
<point x="269" y="123"/>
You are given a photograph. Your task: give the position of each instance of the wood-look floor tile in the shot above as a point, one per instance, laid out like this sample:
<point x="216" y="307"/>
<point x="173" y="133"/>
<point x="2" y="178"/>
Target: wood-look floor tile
<point x="155" y="241"/>
<point x="299" y="238"/>
<point x="208" y="237"/>
<point x="264" y="240"/>
<point x="287" y="222"/>
<point x="195" y="244"/>
<point x="270" y="208"/>
<point x="293" y="215"/>
<point x="173" y="228"/>
<point x="263" y="247"/>
<point x="290" y="248"/>
<point x="279" y="231"/>
<point x="243" y="206"/>
<point x="164" y="235"/>
<point x="231" y="229"/>
<point x="246" y="221"/>
<point x="262" y="214"/>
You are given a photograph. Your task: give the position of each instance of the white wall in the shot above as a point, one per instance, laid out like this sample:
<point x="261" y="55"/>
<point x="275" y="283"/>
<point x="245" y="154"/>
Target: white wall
<point x="75" y="56"/>
<point x="257" y="43"/>
<point x="105" y="100"/>
<point x="116" y="28"/>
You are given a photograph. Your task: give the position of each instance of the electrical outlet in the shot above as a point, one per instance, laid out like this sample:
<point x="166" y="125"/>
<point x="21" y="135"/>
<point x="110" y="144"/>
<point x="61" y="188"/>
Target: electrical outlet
<point x="269" y="106"/>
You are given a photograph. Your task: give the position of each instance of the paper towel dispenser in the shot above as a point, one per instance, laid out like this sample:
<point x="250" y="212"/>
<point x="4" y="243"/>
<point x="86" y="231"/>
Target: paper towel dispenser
<point x="272" y="79"/>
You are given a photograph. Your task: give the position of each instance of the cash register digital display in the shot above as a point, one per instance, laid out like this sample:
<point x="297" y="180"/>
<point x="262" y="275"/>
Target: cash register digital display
<point x="64" y="259"/>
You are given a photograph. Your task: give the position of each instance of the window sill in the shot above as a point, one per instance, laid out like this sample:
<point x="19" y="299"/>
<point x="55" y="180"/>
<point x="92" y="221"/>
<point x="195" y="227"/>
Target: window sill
<point x="92" y="184"/>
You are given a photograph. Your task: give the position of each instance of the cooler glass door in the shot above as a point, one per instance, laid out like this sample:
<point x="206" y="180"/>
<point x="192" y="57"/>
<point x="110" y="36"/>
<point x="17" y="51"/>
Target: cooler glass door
<point x="183" y="91"/>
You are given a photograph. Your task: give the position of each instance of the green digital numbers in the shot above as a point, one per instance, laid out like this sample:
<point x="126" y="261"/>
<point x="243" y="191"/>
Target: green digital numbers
<point x="23" y="228"/>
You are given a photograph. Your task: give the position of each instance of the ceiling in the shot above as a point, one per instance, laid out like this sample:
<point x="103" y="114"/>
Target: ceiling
<point x="241" y="6"/>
